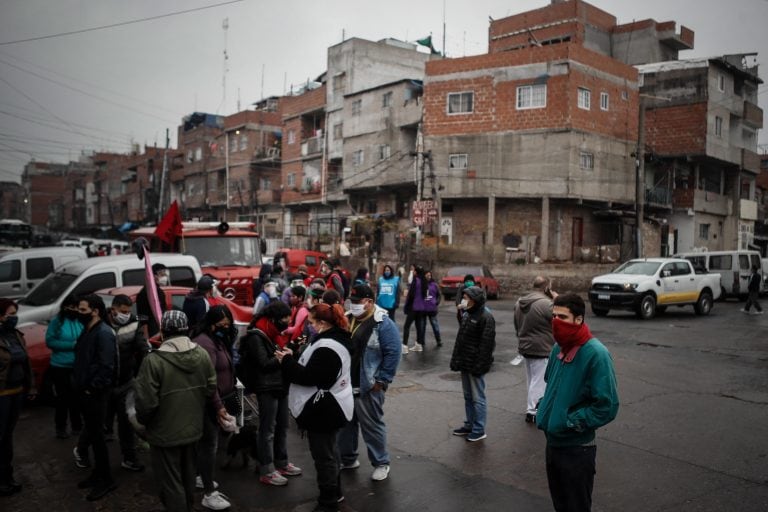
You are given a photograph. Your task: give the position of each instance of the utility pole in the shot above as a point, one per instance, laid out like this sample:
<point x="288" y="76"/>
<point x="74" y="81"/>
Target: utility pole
<point x="640" y="180"/>
<point x="163" y="176"/>
<point x="436" y="199"/>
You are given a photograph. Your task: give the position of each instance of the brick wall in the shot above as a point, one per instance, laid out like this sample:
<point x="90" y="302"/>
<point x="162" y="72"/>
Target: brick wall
<point x="310" y="100"/>
<point x="677" y="130"/>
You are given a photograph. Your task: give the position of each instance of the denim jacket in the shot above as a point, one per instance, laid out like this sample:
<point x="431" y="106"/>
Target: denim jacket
<point x="382" y="352"/>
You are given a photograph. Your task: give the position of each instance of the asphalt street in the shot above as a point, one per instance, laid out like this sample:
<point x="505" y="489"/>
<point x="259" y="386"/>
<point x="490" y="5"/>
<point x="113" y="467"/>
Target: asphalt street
<point x="690" y="434"/>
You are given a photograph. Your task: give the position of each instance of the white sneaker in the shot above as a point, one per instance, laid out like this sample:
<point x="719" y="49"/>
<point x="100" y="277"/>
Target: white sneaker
<point x="273" y="478"/>
<point x="417" y="348"/>
<point x="405" y="349"/>
<point x="380" y="472"/>
<point x="199" y="483"/>
<point x="351" y="465"/>
<point x="215" y="501"/>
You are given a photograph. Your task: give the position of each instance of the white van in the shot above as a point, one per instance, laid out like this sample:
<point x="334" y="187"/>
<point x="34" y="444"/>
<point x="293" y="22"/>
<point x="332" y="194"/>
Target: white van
<point x="21" y="271"/>
<point x="87" y="276"/>
<point x="734" y="267"/>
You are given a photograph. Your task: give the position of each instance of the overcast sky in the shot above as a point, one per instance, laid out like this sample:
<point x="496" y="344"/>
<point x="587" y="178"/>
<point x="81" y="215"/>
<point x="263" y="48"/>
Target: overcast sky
<point x="107" y="88"/>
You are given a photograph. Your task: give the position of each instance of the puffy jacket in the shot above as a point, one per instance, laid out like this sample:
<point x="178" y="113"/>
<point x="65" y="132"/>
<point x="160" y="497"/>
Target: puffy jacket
<point x="96" y="359"/>
<point x="260" y="370"/>
<point x="61" y="337"/>
<point x="172" y="388"/>
<point x="132" y="346"/>
<point x="475" y="341"/>
<point x="5" y="359"/>
<point x="533" y="323"/>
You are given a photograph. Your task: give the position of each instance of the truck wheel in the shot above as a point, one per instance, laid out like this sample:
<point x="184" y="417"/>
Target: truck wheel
<point x="704" y="305"/>
<point x="647" y="308"/>
<point x="599" y="311"/>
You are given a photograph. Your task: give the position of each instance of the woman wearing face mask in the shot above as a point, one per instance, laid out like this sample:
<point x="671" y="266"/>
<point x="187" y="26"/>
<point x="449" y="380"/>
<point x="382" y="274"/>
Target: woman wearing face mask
<point x="215" y="334"/>
<point x="61" y="337"/>
<point x="15" y="382"/>
<point x="388" y="293"/>
<point x="321" y="395"/>
<point x="268" y="295"/>
<point x="143" y="310"/>
<point x="265" y="378"/>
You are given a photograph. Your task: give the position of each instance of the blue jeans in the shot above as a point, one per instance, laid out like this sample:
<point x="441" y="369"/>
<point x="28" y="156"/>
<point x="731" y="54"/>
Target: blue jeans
<point x="368" y="419"/>
<point x="273" y="432"/>
<point x="475" y="405"/>
<point x="435" y="327"/>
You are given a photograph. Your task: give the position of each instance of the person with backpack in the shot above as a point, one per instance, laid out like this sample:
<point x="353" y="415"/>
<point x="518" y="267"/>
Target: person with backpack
<point x="334" y="277"/>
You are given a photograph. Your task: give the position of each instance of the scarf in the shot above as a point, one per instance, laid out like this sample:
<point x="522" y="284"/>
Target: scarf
<point x="269" y="328"/>
<point x="570" y="337"/>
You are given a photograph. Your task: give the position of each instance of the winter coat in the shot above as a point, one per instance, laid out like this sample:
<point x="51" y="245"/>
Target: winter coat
<point x="5" y="359"/>
<point x="533" y="323"/>
<point x="581" y="395"/>
<point x="173" y="386"/>
<point x="221" y="359"/>
<point x="260" y="370"/>
<point x="96" y="359"/>
<point x="415" y="301"/>
<point x="475" y="341"/>
<point x="195" y="307"/>
<point x="132" y="346"/>
<point x="432" y="300"/>
<point x="61" y="337"/>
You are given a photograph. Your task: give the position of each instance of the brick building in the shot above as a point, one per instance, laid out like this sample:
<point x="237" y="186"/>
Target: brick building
<point x="43" y="186"/>
<point x="12" y="205"/>
<point x="701" y="126"/>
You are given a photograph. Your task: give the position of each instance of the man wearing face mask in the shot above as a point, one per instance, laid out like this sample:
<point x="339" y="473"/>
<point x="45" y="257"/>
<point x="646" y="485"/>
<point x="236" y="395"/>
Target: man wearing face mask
<point x="267" y="296"/>
<point x="143" y="310"/>
<point x="469" y="280"/>
<point x="581" y="396"/>
<point x="94" y="375"/>
<point x="196" y="303"/>
<point x="473" y="357"/>
<point x="132" y="346"/>
<point x="375" y="356"/>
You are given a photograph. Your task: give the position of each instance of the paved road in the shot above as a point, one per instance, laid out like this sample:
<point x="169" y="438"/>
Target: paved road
<point x="690" y="435"/>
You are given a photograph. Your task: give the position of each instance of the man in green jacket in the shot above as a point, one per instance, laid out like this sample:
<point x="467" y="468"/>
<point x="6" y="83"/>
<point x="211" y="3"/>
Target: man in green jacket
<point x="580" y="397"/>
<point x="172" y="387"/>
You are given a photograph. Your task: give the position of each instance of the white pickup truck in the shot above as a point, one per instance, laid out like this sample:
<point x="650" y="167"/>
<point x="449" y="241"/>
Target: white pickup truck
<point x="648" y="286"/>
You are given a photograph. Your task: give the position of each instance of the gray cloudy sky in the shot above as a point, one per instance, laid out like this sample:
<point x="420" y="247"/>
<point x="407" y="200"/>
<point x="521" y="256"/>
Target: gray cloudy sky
<point x="106" y="88"/>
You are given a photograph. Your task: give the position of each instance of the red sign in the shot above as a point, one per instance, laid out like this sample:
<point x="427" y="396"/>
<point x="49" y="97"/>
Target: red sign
<point x="424" y="211"/>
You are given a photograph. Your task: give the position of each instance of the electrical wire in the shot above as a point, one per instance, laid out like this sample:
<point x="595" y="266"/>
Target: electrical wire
<point x="120" y="24"/>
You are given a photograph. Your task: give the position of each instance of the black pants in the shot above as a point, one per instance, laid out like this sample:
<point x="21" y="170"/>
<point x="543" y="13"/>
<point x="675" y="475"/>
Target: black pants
<point x="571" y="475"/>
<point x="10" y="407"/>
<point x="207" y="447"/>
<point x="752" y="301"/>
<point x="125" y="431"/>
<point x="66" y="399"/>
<point x="324" y="450"/>
<point x="420" y="319"/>
<point x="94" y="407"/>
<point x="174" y="470"/>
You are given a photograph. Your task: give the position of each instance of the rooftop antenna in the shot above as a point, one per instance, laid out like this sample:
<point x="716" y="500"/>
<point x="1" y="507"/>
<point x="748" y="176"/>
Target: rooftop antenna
<point x="225" y="26"/>
<point x="444" y="54"/>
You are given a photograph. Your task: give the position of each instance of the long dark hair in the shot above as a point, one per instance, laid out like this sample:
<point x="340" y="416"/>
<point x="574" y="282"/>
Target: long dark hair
<point x="422" y="280"/>
<point x="273" y="311"/>
<point x="212" y="317"/>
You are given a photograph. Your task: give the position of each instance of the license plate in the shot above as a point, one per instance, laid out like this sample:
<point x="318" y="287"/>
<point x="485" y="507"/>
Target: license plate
<point x="603" y="296"/>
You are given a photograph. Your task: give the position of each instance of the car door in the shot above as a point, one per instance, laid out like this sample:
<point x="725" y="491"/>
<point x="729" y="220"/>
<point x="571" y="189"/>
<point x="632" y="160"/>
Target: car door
<point x="10" y="278"/>
<point x="37" y="270"/>
<point x="669" y="284"/>
<point x="687" y="289"/>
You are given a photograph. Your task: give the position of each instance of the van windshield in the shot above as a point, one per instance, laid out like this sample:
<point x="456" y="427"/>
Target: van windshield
<point x="643" y="268"/>
<point x="49" y="290"/>
<point x="223" y="251"/>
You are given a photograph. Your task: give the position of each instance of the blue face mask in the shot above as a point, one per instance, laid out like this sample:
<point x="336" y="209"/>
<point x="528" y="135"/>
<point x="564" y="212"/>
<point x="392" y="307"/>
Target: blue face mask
<point x="10" y="322"/>
<point x="387" y="274"/>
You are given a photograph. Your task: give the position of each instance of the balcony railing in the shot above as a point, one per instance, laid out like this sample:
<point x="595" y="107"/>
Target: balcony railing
<point x="658" y="196"/>
<point x="312" y="146"/>
<point x="750" y="161"/>
<point x="753" y="115"/>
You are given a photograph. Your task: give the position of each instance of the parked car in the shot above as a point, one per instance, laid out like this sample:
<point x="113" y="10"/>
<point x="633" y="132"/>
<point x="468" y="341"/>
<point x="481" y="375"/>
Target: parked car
<point x="648" y="286"/>
<point x="40" y="354"/>
<point x="87" y="276"/>
<point x="21" y="271"/>
<point x="734" y="267"/>
<point x="483" y="278"/>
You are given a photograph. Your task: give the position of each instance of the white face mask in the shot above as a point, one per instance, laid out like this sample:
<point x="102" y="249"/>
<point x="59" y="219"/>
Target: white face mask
<point x="122" y="318"/>
<point x="357" y="309"/>
<point x="272" y="292"/>
<point x="163" y="280"/>
<point x="464" y="304"/>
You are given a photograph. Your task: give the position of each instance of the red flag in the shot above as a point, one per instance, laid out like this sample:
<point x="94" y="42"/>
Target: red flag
<point x="170" y="225"/>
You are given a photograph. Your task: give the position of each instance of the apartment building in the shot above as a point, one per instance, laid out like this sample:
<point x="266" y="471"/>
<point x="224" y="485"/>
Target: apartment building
<point x="43" y="185"/>
<point x="701" y="124"/>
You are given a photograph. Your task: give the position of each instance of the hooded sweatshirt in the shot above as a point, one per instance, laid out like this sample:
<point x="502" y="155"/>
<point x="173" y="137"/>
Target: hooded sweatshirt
<point x="172" y="388"/>
<point x="476" y="339"/>
<point x="533" y="322"/>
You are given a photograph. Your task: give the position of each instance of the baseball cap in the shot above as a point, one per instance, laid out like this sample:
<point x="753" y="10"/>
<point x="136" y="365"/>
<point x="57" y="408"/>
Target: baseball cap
<point x="158" y="267"/>
<point x="360" y="292"/>
<point x="205" y="283"/>
<point x="174" y="321"/>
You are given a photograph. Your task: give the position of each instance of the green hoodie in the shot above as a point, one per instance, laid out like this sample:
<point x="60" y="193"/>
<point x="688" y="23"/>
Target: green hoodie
<point x="581" y="395"/>
<point x="172" y="388"/>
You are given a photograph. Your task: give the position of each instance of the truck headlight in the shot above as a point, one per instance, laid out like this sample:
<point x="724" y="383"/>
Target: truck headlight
<point x="630" y="286"/>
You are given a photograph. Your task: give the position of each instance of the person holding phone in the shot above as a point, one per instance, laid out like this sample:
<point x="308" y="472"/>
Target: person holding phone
<point x="533" y="323"/>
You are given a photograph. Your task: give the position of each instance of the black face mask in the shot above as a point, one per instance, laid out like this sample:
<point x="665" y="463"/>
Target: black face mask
<point x="70" y="314"/>
<point x="10" y="322"/>
<point x="281" y="325"/>
<point x="221" y="332"/>
<point x="85" y="318"/>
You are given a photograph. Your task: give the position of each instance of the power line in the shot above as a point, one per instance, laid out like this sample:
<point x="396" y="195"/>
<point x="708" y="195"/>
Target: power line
<point x="122" y="23"/>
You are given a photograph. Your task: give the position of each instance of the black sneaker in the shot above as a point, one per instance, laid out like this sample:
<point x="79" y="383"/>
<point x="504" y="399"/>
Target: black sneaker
<point x="132" y="465"/>
<point x="101" y="490"/>
<point x="462" y="431"/>
<point x="80" y="460"/>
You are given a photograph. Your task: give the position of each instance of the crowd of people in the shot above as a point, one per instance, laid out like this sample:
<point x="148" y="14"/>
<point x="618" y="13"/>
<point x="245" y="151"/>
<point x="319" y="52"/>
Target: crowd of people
<point x="323" y="350"/>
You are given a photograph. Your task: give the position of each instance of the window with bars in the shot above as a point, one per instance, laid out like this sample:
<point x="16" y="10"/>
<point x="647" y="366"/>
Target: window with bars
<point x="531" y="96"/>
